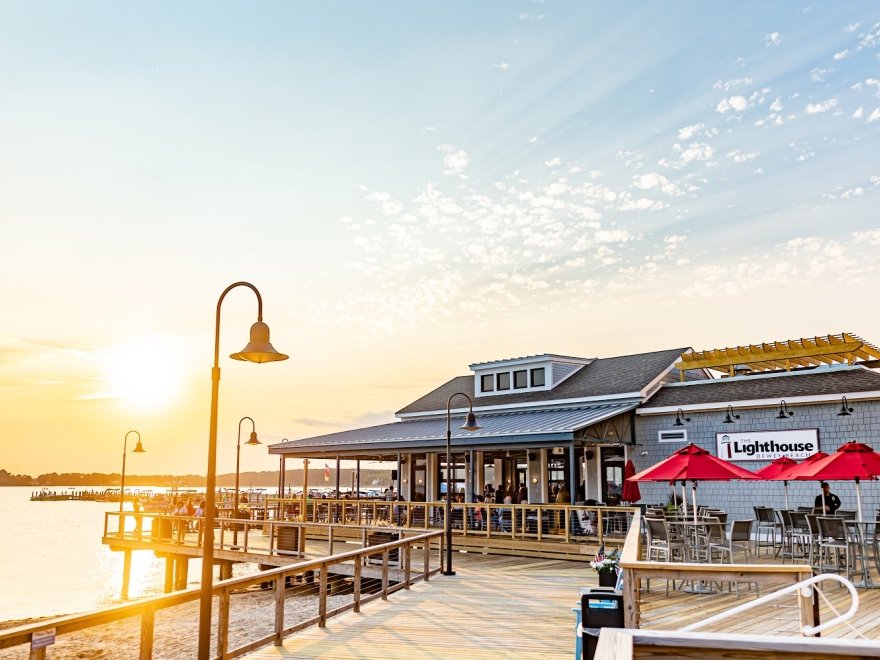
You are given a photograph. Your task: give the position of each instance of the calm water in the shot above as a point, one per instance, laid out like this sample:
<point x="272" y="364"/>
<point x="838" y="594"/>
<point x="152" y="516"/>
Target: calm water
<point x="52" y="560"/>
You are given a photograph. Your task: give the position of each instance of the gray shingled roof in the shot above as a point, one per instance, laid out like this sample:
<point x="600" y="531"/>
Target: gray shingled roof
<point x="533" y="427"/>
<point x="602" y="377"/>
<point x="836" y="380"/>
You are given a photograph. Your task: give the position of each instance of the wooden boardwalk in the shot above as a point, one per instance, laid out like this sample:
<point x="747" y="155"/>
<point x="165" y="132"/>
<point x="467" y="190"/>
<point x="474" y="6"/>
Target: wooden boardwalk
<point x="507" y="607"/>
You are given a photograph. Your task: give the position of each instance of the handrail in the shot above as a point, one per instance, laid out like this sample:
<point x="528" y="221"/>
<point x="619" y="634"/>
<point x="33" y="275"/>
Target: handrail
<point x="806" y="589"/>
<point x="635" y="569"/>
<point x="147" y="607"/>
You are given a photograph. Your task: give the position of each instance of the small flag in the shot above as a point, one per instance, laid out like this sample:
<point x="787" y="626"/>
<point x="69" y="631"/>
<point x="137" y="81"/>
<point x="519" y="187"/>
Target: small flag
<point x="326" y="473"/>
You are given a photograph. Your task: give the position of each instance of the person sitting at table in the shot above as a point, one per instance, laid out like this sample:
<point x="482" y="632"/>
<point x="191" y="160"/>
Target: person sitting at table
<point x="827" y="502"/>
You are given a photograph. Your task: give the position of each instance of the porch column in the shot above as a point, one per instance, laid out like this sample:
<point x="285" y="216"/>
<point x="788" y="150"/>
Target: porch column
<point x="572" y="472"/>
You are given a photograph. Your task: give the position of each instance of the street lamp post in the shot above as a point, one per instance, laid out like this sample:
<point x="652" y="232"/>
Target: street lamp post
<point x="138" y="449"/>
<point x="257" y="350"/>
<point x="251" y="441"/>
<point x="470" y="424"/>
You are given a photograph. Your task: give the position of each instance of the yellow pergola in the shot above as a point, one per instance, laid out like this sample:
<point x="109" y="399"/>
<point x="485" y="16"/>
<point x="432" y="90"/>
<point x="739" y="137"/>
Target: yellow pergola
<point x="782" y="355"/>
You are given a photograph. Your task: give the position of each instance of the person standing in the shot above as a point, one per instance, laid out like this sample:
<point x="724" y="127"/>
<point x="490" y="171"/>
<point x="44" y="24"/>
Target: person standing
<point x="827" y="502"/>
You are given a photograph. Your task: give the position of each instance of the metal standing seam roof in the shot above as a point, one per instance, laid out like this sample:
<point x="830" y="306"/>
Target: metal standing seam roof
<point x="519" y="426"/>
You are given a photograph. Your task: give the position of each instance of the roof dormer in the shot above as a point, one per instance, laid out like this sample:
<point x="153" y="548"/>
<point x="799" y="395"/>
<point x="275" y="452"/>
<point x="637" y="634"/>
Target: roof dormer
<point x="534" y="373"/>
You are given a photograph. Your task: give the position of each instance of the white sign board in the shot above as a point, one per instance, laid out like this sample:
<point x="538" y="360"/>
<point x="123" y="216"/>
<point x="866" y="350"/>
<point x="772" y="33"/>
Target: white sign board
<point x="767" y="445"/>
<point x="42" y="638"/>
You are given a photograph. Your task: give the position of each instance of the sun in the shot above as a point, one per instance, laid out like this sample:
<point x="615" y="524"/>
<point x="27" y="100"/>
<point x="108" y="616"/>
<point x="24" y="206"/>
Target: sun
<point x="145" y="372"/>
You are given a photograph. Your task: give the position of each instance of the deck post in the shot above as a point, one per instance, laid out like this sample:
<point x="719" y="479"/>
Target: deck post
<point x="357" y="586"/>
<point x="279" y="609"/>
<point x="126" y="573"/>
<point x="322" y="598"/>
<point x="805" y="603"/>
<point x="181" y="572"/>
<point x="385" y="574"/>
<point x="169" y="574"/>
<point x="407" y="563"/>
<point x="148" y="617"/>
<point x="223" y="624"/>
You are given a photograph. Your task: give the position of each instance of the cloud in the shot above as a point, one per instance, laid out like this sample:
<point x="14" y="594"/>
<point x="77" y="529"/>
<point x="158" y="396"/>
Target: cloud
<point x="553" y="162"/>
<point x="696" y="151"/>
<point x="819" y="75"/>
<point x="455" y="161"/>
<point x="732" y="104"/>
<point x="858" y="113"/>
<point x="772" y="39"/>
<point x="688" y="132"/>
<point x="388" y="204"/>
<point x="871" y="237"/>
<point x="654" y="180"/>
<point x="501" y="65"/>
<point x="852" y="27"/>
<point x="739" y="157"/>
<point x="822" y="106"/>
<point x="727" y="85"/>
<point x="874" y="116"/>
<point x="841" y="55"/>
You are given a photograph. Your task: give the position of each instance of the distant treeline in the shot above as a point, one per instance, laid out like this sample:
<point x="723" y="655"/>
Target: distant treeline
<point x="266" y="479"/>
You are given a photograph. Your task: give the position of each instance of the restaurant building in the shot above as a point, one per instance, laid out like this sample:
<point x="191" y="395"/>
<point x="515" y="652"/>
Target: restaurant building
<point x="552" y="420"/>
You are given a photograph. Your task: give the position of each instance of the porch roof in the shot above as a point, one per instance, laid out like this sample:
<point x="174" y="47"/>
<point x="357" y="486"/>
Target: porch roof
<point x="533" y="427"/>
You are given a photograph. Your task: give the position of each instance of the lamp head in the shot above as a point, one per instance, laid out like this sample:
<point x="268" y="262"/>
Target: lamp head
<point x="259" y="349"/>
<point x="253" y="439"/>
<point x="138" y="448"/>
<point x="470" y="422"/>
<point x="845" y="410"/>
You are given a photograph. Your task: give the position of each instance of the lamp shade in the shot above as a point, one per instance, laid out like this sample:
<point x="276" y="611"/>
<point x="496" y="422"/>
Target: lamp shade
<point x="253" y="439"/>
<point x="259" y="349"/>
<point x="138" y="448"/>
<point x="470" y="423"/>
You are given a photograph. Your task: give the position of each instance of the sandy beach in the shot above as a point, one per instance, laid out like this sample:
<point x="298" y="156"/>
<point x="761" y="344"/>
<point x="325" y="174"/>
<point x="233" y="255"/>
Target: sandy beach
<point x="176" y="629"/>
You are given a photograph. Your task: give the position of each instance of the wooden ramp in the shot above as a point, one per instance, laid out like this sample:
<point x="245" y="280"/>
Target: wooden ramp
<point x="495" y="607"/>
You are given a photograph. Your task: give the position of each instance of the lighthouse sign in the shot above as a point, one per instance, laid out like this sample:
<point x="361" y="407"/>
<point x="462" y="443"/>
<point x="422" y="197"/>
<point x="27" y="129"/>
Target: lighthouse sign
<point x="767" y="445"/>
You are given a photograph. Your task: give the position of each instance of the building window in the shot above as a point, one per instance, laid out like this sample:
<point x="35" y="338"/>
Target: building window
<point x="504" y="380"/>
<point x="487" y="383"/>
<point x="538" y="377"/>
<point x="520" y="379"/>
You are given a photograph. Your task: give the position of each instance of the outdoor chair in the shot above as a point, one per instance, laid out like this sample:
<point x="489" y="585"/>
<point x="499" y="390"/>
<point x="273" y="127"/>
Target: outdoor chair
<point x="765" y="534"/>
<point x="801" y="538"/>
<point x="662" y="546"/>
<point x="834" y="537"/>
<point x="846" y="515"/>
<point x="738" y="540"/>
<point x="783" y="517"/>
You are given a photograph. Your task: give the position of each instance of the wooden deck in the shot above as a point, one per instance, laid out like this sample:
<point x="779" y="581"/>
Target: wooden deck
<point x="503" y="607"/>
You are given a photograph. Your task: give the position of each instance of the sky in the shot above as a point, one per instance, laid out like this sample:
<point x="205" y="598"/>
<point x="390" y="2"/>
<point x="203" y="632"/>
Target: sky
<point x="412" y="187"/>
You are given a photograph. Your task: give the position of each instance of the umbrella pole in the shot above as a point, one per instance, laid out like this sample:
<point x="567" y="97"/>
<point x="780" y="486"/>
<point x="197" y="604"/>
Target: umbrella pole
<point x="684" y="499"/>
<point x="785" y="485"/>
<point x="859" y="498"/>
<point x="694" y="499"/>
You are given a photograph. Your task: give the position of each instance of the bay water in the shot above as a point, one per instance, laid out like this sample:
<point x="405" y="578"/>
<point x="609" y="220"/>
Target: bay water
<point x="52" y="561"/>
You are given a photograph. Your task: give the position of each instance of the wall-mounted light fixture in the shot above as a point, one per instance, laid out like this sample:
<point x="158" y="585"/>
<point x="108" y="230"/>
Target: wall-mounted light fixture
<point x="534" y="480"/>
<point x="728" y="419"/>
<point x="784" y="412"/>
<point x="680" y="419"/>
<point x="845" y="410"/>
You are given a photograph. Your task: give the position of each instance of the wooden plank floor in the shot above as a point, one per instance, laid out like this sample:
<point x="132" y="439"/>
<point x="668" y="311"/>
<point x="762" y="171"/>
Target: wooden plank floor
<point x="495" y="607"/>
<point x="511" y="607"/>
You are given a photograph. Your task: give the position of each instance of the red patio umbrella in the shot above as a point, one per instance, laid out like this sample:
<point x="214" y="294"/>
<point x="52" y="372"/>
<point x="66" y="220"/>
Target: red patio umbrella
<point x="795" y="471"/>
<point x="853" y="460"/>
<point x="630" y="488"/>
<point x="776" y="468"/>
<point x="695" y="464"/>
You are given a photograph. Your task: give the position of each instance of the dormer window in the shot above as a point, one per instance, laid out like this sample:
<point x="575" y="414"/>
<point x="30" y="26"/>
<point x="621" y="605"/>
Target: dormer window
<point x="538" y="377"/>
<point x="525" y="374"/>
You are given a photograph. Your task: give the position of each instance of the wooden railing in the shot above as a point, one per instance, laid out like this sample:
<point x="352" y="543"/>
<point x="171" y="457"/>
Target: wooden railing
<point x="315" y="572"/>
<point x="635" y="570"/>
<point x="556" y="522"/>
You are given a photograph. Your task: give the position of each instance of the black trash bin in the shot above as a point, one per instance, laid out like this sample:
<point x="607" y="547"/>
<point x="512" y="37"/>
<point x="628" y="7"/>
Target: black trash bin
<point x="601" y="607"/>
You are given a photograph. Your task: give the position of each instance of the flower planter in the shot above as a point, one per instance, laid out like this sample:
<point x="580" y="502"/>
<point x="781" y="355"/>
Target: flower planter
<point x="607" y="579"/>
